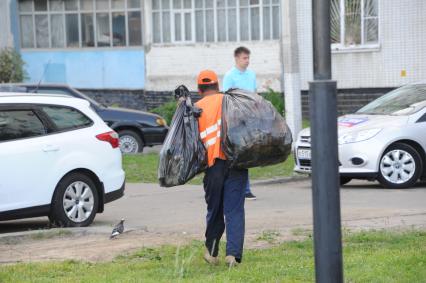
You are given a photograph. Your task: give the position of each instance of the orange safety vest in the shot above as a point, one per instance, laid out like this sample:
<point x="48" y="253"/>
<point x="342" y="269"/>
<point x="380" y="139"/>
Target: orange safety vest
<point x="209" y="126"/>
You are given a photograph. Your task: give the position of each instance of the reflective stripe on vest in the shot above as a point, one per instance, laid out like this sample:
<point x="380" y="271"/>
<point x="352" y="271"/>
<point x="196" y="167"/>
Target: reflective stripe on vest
<point x="209" y="125"/>
<point x="212" y="141"/>
<point x="210" y="130"/>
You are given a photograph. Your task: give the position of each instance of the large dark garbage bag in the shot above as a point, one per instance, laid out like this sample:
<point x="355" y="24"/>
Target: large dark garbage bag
<point x="254" y="133"/>
<point x="183" y="154"/>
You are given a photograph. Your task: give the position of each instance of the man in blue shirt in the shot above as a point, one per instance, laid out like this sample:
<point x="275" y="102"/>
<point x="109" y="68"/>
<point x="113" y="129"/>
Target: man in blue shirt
<point x="240" y="77"/>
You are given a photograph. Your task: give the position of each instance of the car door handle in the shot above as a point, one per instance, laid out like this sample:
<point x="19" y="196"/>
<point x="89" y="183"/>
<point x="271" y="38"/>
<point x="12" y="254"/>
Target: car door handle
<point x="49" y="148"/>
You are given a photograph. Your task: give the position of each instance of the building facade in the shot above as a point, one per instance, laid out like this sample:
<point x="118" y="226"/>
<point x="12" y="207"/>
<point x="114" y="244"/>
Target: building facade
<point x="156" y="45"/>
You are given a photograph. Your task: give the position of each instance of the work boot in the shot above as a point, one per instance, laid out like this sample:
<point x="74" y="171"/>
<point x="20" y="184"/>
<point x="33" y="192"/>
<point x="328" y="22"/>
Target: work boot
<point x="231" y="261"/>
<point x="213" y="260"/>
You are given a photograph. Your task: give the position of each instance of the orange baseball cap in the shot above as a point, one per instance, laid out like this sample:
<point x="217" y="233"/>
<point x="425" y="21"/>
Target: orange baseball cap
<point x="207" y="77"/>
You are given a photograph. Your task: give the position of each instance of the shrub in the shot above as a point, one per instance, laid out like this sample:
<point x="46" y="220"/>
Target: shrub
<point x="276" y="98"/>
<point x="11" y="66"/>
<point x="166" y="110"/>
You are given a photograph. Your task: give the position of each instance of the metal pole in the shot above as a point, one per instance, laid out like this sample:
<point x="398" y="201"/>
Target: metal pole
<point x="325" y="176"/>
<point x="321" y="39"/>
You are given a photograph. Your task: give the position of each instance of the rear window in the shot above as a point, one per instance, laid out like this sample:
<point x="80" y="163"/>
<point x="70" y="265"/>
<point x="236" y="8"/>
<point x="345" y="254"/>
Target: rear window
<point x="66" y="118"/>
<point x="19" y="124"/>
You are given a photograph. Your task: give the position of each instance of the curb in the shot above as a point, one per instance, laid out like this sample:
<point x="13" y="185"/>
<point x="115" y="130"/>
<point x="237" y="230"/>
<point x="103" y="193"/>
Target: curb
<point x="48" y="233"/>
<point x="279" y="180"/>
<point x="51" y="232"/>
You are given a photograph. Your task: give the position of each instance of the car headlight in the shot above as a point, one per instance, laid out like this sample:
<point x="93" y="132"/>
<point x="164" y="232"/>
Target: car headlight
<point x="161" y="122"/>
<point x="358" y="136"/>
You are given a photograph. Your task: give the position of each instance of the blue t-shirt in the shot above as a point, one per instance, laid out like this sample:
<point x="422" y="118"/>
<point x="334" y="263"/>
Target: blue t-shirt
<point x="234" y="78"/>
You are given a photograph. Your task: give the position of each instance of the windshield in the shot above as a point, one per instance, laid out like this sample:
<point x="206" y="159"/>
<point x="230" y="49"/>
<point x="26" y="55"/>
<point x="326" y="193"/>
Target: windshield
<point x="405" y="100"/>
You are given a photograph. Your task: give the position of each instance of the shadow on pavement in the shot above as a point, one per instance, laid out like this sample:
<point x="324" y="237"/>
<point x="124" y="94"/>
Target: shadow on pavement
<point x="24" y="225"/>
<point x="377" y="186"/>
<point x="40" y="223"/>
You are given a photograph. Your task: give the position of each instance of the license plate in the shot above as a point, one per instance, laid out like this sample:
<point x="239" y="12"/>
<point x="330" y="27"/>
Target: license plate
<point x="304" y="153"/>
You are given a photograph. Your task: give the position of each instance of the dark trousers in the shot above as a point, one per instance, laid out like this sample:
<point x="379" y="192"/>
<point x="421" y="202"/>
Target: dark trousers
<point x="224" y="194"/>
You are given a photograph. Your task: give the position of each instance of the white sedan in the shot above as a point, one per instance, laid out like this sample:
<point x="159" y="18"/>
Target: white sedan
<point x="57" y="159"/>
<point x="385" y="140"/>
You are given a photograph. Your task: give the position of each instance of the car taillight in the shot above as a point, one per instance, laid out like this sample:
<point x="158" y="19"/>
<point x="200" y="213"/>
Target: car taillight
<point x="111" y="137"/>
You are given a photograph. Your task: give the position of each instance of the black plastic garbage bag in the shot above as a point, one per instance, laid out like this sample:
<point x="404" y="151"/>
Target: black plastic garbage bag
<point x="254" y="133"/>
<point x="183" y="154"/>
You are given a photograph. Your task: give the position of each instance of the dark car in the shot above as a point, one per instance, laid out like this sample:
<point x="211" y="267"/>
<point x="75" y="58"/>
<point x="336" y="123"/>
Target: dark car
<point x="136" y="129"/>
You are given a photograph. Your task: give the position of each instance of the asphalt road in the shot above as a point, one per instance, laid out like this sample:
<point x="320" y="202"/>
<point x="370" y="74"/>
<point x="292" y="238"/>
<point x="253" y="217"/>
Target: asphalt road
<point x="279" y="207"/>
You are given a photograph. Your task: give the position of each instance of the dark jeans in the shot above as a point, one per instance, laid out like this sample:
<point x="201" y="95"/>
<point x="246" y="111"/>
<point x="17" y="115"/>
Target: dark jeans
<point x="224" y="194"/>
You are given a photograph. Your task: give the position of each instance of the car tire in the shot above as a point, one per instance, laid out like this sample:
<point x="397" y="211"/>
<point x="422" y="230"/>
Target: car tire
<point x="130" y="142"/>
<point x="344" y="180"/>
<point x="75" y="201"/>
<point x="400" y="166"/>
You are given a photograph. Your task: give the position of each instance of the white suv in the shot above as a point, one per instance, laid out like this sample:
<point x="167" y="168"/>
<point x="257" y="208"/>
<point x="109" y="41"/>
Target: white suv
<point x="57" y="159"/>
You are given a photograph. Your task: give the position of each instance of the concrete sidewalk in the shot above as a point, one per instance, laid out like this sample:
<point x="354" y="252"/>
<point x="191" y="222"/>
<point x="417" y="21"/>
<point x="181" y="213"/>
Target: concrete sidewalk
<point x="281" y="204"/>
<point x="175" y="216"/>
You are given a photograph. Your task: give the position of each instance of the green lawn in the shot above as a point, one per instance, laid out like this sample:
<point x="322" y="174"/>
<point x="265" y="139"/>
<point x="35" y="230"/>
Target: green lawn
<point x="143" y="168"/>
<point x="377" y="256"/>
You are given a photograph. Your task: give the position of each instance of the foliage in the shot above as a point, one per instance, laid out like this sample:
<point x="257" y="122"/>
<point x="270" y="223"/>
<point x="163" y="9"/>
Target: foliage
<point x="11" y="66"/>
<point x="167" y="110"/>
<point x="276" y="98"/>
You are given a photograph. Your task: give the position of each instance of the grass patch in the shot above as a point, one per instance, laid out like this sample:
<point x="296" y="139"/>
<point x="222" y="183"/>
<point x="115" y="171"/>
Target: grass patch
<point x="302" y="232"/>
<point x="375" y="256"/>
<point x="142" y="168"/>
<point x="305" y="124"/>
<point x="269" y="236"/>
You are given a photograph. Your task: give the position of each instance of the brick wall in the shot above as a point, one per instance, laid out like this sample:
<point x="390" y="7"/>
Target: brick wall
<point x="401" y="47"/>
<point x="133" y="99"/>
<point x="348" y="100"/>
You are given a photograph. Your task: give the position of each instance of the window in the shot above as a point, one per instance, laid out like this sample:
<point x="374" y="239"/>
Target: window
<point x="66" y="118"/>
<point x="19" y="124"/>
<point x="181" y="21"/>
<point x="354" y="23"/>
<point x="80" y="23"/>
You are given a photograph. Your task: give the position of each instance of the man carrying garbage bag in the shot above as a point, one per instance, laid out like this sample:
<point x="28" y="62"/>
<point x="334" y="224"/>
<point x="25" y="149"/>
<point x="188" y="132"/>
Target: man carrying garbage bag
<point x="223" y="186"/>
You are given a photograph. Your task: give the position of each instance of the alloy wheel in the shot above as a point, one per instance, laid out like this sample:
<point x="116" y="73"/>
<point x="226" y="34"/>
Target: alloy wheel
<point x="397" y="166"/>
<point x="78" y="201"/>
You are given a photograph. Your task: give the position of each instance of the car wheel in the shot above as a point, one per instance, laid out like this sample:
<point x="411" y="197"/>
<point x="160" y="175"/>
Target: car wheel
<point x="130" y="142"/>
<point x="344" y="180"/>
<point x="75" y="201"/>
<point x="400" y="166"/>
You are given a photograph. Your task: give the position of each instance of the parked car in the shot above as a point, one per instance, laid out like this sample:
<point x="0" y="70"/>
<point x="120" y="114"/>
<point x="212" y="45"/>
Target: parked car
<point x="385" y="140"/>
<point x="57" y="159"/>
<point x="136" y="129"/>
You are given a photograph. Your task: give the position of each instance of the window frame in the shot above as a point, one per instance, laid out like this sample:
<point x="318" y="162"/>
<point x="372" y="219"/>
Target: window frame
<point x="54" y="127"/>
<point x="172" y="11"/>
<point x="80" y="12"/>
<point x="182" y="11"/>
<point x="48" y="124"/>
<point x="362" y="47"/>
<point x="26" y="107"/>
